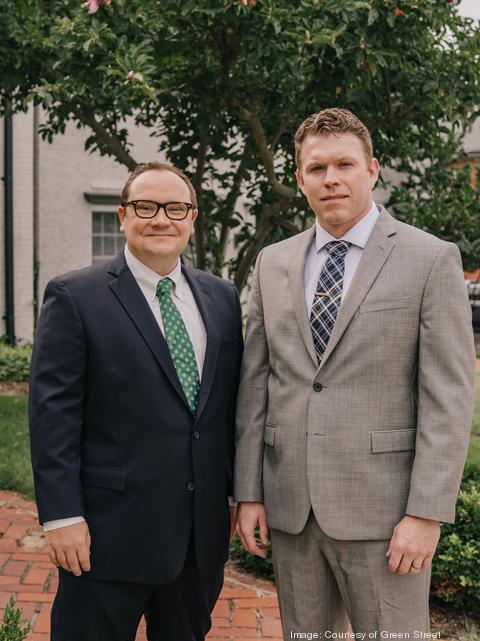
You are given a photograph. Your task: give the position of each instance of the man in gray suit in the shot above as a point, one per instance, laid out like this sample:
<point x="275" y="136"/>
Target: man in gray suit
<point x="356" y="399"/>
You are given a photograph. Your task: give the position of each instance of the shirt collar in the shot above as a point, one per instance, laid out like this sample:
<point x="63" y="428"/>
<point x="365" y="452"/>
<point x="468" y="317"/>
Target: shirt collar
<point x="358" y="235"/>
<point x="148" y="279"/>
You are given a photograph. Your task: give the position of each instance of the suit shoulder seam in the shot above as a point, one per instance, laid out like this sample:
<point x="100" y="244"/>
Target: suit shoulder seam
<point x="61" y="281"/>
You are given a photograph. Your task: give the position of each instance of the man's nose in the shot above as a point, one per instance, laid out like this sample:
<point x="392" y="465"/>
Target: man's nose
<point x="331" y="175"/>
<point x="160" y="218"/>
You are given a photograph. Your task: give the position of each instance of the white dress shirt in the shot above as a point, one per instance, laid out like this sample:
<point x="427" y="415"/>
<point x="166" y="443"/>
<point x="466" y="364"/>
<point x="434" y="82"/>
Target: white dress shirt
<point x="183" y="298"/>
<point x="317" y="255"/>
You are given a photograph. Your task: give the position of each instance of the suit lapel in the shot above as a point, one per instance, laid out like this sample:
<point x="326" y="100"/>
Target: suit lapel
<point x="376" y="252"/>
<point x="296" y="278"/>
<point x="130" y="296"/>
<point x="208" y="309"/>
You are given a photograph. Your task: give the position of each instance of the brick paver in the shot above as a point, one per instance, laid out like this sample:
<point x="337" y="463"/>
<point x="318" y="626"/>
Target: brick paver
<point x="246" y="611"/>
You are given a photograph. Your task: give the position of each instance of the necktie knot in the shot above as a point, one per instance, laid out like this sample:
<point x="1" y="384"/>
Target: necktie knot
<point x="165" y="286"/>
<point x="338" y="248"/>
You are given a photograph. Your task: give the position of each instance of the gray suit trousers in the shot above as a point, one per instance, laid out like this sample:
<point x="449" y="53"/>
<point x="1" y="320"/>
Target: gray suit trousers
<point x="323" y="582"/>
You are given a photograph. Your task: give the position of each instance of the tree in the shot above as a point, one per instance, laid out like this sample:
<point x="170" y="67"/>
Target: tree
<point x="224" y="84"/>
<point x="443" y="199"/>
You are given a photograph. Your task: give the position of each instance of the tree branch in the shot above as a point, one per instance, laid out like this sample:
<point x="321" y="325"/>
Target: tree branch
<point x="266" y="154"/>
<point x="282" y="129"/>
<point x="231" y="199"/>
<point x="113" y="144"/>
<point x="256" y="242"/>
<point x="200" y="222"/>
<point x="286" y="224"/>
<point x="388" y="92"/>
<point x="394" y="118"/>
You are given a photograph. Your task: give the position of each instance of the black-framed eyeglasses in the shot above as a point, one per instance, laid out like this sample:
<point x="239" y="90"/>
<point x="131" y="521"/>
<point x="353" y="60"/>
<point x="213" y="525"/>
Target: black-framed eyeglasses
<point x="149" y="209"/>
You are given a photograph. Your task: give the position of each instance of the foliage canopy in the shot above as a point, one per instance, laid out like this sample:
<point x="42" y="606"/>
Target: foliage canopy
<point x="224" y="84"/>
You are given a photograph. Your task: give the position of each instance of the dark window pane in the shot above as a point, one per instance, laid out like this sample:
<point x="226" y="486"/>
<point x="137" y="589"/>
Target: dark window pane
<point x="109" y="226"/>
<point x="97" y="245"/>
<point x="97" y="223"/>
<point x="108" y="245"/>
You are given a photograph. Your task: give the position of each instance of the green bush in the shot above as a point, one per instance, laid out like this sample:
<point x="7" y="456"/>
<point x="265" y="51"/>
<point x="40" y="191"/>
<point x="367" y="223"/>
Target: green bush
<point x="15" y="362"/>
<point x="12" y="627"/>
<point x="456" y="566"/>
<point x="249" y="563"/>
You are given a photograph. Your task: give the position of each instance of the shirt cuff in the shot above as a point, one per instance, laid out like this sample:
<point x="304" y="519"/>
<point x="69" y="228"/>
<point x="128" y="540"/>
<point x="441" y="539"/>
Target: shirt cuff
<point x="231" y="502"/>
<point x="48" y="526"/>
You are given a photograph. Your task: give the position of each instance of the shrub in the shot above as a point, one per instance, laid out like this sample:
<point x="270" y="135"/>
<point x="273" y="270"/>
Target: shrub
<point x="456" y="567"/>
<point x="12" y="628"/>
<point x="15" y="362"/>
<point x="250" y="563"/>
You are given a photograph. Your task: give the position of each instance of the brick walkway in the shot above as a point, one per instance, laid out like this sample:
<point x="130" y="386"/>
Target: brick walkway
<point x="246" y="611"/>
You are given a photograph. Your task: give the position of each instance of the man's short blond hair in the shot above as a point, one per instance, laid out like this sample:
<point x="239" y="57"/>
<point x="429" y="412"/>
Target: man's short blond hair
<point x="159" y="166"/>
<point x="333" y="121"/>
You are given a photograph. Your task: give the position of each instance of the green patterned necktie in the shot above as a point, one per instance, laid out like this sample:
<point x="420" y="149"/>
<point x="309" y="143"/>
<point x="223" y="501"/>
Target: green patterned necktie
<point x="179" y="343"/>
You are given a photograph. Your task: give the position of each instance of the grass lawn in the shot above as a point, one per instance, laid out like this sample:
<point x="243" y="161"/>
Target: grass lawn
<point x="15" y="471"/>
<point x="474" y="450"/>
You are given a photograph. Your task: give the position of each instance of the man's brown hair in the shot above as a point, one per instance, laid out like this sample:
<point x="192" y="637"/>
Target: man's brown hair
<point x="160" y="166"/>
<point x="333" y="121"/>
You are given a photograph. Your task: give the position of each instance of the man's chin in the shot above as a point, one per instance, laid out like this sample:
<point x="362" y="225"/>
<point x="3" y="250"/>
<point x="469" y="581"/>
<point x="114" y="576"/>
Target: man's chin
<point x="335" y="215"/>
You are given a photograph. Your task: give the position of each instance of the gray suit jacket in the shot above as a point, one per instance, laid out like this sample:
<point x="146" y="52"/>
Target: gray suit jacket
<point x="381" y="428"/>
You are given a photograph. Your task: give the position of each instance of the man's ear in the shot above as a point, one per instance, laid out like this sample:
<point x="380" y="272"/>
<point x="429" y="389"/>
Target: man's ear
<point x="374" y="171"/>
<point x="121" y="218"/>
<point x="299" y="177"/>
<point x="194" y="218"/>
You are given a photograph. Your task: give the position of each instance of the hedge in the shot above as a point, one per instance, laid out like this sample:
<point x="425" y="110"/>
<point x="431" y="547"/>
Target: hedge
<point x="14" y="361"/>
<point x="456" y="566"/>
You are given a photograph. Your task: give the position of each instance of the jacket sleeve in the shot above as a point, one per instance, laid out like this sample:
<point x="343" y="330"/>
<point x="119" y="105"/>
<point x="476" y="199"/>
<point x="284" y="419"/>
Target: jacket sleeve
<point x="56" y="401"/>
<point x="233" y="394"/>
<point x="252" y="401"/>
<point x="446" y="366"/>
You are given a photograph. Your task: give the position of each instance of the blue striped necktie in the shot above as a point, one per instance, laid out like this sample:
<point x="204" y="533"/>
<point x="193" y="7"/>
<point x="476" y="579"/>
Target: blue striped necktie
<point x="328" y="295"/>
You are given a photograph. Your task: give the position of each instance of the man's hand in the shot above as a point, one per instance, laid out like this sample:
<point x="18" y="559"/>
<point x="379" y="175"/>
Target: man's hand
<point x="233" y="521"/>
<point x="69" y="547"/>
<point x="249" y="515"/>
<point x="413" y="545"/>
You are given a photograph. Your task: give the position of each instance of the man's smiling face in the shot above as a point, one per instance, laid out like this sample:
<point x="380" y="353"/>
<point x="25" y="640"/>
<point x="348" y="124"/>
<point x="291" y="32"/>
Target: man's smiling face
<point x="157" y="242"/>
<point x="337" y="179"/>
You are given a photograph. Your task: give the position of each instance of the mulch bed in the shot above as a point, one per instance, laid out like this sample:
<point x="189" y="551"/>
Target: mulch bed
<point x="13" y="388"/>
<point x="449" y="622"/>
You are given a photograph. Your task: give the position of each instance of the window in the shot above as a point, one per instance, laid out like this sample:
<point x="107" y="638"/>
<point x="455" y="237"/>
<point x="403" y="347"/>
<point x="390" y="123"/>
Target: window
<point x="107" y="239"/>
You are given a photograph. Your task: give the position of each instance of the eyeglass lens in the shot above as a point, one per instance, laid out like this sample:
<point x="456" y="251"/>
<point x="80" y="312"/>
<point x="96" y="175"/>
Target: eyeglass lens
<point x="148" y="209"/>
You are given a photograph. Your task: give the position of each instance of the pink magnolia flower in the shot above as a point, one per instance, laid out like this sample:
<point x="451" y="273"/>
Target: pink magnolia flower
<point x="93" y="6"/>
<point x="130" y="75"/>
<point x="452" y="2"/>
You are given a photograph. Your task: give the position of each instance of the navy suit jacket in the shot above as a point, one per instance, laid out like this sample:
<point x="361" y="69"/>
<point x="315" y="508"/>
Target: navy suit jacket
<point x="112" y="435"/>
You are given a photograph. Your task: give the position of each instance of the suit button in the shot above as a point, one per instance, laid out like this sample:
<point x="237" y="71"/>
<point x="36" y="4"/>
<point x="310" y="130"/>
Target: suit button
<point x="196" y="435"/>
<point x="190" y="486"/>
<point x="317" y="387"/>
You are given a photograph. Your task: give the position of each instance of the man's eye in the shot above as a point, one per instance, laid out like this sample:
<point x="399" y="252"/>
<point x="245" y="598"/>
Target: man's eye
<point x="345" y="164"/>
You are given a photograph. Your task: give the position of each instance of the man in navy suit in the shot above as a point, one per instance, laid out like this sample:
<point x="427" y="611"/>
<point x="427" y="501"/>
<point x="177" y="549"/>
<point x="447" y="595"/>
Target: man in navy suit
<point x="132" y="398"/>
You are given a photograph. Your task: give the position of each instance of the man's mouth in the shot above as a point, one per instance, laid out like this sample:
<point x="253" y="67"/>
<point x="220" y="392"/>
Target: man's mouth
<point x="160" y="235"/>
<point x="336" y="197"/>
